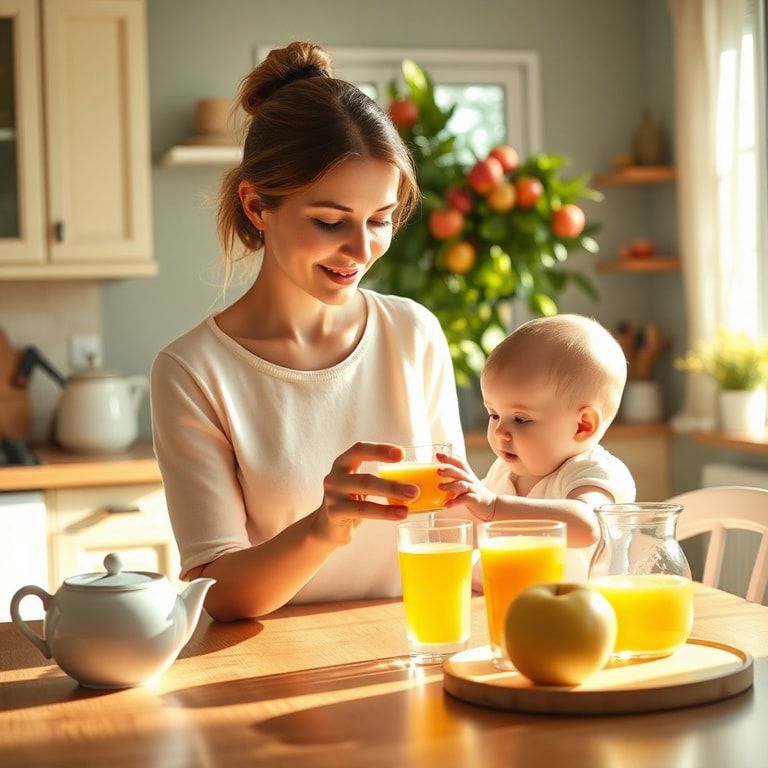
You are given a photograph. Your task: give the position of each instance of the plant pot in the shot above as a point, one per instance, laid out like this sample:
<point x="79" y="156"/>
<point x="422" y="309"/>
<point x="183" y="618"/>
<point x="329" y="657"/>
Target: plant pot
<point x="641" y="402"/>
<point x="743" y="410"/>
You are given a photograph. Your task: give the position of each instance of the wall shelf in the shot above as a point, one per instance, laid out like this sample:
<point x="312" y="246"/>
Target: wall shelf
<point x="636" y="174"/>
<point x="198" y="154"/>
<point x="649" y="264"/>
<point x="747" y="443"/>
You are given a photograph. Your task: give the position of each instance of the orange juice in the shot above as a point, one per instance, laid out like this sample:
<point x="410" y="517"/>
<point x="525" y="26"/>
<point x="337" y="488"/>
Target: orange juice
<point x="437" y="588"/>
<point x="423" y="474"/>
<point x="512" y="563"/>
<point x="654" y="611"/>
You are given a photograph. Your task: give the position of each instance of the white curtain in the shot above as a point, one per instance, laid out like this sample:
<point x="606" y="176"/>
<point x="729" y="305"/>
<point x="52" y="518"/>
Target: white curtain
<point x="719" y="184"/>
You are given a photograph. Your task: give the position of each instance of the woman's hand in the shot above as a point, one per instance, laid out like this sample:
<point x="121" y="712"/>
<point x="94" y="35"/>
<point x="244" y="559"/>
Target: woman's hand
<point x="347" y="488"/>
<point x="468" y="491"/>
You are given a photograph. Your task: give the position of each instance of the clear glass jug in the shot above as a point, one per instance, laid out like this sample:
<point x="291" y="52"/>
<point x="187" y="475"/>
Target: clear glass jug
<point x="641" y="569"/>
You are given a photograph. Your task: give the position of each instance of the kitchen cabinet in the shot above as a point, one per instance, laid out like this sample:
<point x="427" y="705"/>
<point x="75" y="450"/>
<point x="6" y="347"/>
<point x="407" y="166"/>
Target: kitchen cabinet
<point x="85" y="524"/>
<point x="74" y="140"/>
<point x="638" y="176"/>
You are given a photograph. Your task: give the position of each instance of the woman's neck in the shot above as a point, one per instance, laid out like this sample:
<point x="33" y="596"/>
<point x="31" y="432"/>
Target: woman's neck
<point x="290" y="328"/>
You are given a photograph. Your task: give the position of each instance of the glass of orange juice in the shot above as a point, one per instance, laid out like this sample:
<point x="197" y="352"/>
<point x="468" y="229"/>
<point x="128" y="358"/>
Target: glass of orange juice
<point x="516" y="554"/>
<point x="436" y="571"/>
<point x="641" y="569"/>
<point x="419" y="467"/>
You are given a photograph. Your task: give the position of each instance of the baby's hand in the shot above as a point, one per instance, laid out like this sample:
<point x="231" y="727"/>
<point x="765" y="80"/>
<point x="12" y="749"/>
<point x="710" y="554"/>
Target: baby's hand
<point x="468" y="491"/>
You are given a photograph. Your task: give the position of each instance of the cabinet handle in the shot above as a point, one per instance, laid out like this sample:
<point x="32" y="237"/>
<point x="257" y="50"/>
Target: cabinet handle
<point x="58" y="231"/>
<point x="122" y="509"/>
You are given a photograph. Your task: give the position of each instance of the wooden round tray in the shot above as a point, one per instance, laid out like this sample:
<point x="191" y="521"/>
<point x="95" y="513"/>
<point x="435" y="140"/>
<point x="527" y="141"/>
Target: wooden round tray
<point x="699" y="672"/>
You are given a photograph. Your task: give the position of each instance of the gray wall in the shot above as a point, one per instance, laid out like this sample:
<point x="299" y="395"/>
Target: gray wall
<point x="602" y="62"/>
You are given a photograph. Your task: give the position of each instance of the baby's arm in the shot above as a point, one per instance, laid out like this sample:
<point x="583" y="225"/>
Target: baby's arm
<point x="575" y="511"/>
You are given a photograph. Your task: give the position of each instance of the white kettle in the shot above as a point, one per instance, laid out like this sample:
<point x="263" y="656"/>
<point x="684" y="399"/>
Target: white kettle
<point x="98" y="411"/>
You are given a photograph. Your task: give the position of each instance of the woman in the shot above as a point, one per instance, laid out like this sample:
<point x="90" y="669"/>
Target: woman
<point x="265" y="414"/>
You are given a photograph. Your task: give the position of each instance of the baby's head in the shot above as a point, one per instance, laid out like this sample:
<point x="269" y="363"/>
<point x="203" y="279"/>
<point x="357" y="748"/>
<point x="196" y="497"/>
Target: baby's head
<point x="574" y="354"/>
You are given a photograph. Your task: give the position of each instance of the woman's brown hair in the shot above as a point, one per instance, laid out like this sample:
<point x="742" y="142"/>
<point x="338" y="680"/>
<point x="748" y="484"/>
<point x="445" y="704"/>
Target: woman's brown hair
<point x="303" y="123"/>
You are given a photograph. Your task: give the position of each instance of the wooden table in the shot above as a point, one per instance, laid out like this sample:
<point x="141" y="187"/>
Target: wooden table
<point x="327" y="685"/>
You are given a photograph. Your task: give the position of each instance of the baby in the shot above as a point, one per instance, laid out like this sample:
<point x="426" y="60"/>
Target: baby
<point x="551" y="389"/>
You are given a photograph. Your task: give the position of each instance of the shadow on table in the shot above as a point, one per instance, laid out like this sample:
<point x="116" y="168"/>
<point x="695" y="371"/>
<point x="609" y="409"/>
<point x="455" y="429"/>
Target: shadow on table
<point x="211" y="635"/>
<point x="53" y="687"/>
<point x="302" y="682"/>
<point x="391" y="712"/>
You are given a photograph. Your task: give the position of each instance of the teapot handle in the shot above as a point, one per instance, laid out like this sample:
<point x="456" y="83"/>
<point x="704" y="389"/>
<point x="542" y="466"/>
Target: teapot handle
<point x="40" y="642"/>
<point x="137" y="386"/>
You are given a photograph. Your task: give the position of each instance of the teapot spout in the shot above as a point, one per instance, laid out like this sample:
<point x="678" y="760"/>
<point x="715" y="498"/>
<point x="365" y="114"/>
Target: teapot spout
<point x="193" y="597"/>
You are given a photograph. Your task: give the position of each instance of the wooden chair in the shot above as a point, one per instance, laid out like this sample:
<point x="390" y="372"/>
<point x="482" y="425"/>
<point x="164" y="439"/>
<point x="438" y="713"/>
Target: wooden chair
<point x="717" y="510"/>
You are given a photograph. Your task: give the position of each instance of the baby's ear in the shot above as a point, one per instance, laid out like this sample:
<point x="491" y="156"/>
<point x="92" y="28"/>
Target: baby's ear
<point x="589" y="424"/>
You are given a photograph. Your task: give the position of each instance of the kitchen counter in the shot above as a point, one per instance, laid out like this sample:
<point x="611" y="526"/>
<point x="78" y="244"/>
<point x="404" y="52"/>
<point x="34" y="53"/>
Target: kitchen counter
<point x="327" y="685"/>
<point x="61" y="469"/>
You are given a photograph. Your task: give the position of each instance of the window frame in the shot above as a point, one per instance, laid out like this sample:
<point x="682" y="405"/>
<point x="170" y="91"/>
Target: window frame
<point x="516" y="71"/>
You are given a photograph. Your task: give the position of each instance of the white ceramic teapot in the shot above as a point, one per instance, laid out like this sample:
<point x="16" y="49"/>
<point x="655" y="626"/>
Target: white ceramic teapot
<point x="98" y="410"/>
<point x="116" y="629"/>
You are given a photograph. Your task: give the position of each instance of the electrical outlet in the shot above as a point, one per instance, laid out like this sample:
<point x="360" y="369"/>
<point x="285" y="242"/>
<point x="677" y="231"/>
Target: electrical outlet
<point x="84" y="350"/>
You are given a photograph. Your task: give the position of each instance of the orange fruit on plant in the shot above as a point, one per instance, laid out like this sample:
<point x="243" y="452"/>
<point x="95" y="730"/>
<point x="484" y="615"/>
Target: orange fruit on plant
<point x="485" y="175"/>
<point x="568" y="221"/>
<point x="529" y="189"/>
<point x="404" y="112"/>
<point x="502" y="197"/>
<point x="445" y="223"/>
<point x="459" y="199"/>
<point x="460" y="257"/>
<point x="507" y="156"/>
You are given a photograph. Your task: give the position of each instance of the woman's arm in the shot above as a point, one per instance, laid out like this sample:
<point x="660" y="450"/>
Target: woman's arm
<point x="260" y="579"/>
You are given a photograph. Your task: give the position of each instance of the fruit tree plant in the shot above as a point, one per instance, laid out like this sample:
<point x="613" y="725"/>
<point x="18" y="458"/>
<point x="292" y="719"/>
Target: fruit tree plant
<point x="501" y="229"/>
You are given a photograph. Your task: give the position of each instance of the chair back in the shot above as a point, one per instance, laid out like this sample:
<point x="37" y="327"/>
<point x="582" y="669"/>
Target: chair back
<point x="717" y="510"/>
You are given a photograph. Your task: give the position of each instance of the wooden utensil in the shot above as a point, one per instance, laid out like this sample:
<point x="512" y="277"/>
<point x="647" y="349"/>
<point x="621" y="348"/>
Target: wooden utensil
<point x="14" y="403"/>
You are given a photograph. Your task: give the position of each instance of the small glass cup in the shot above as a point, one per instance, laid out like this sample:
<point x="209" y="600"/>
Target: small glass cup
<point x="436" y="570"/>
<point x="419" y="467"/>
<point x="515" y="555"/>
<point x="640" y="567"/>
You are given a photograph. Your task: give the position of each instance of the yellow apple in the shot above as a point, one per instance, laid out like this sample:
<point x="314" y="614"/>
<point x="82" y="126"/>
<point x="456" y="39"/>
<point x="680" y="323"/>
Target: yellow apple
<point x="559" y="634"/>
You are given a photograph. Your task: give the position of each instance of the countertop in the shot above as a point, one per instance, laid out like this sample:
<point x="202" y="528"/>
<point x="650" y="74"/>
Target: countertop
<point x="328" y="686"/>
<point x="61" y="469"/>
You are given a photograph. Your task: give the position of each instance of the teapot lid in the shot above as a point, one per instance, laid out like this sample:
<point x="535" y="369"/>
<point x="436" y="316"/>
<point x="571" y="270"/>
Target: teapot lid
<point x="89" y="374"/>
<point x="114" y="579"/>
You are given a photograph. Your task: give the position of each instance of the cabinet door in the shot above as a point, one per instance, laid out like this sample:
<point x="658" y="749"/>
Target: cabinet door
<point x="97" y="130"/>
<point x="649" y="460"/>
<point x="86" y="524"/>
<point x="21" y="182"/>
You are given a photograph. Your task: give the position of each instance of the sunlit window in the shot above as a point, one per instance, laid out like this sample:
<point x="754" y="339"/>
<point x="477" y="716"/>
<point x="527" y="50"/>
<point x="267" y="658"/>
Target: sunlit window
<point x="496" y="93"/>
<point x="739" y="184"/>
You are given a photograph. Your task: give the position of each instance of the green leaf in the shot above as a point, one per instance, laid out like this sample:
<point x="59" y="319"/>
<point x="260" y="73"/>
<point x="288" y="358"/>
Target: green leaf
<point x="415" y="78"/>
<point x="543" y="304"/>
<point x="585" y="284"/>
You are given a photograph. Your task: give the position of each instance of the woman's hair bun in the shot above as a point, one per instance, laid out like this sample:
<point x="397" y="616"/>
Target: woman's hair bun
<point x="297" y="61"/>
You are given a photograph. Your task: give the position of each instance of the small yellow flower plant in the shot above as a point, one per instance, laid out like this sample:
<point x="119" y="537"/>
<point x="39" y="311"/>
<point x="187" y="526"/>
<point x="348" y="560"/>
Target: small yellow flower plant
<point x="735" y="360"/>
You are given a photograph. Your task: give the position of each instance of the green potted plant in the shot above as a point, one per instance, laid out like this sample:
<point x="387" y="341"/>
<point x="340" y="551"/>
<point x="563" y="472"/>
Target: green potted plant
<point x="738" y="363"/>
<point x="499" y="230"/>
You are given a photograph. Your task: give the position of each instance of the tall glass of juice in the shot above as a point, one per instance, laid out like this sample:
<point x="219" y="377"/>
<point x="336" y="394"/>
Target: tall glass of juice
<point x="436" y="570"/>
<point x="419" y="467"/>
<point x="641" y="569"/>
<point x="516" y="554"/>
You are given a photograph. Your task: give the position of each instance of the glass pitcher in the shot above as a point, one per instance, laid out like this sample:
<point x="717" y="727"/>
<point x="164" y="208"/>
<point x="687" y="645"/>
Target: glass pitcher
<point x="641" y="569"/>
